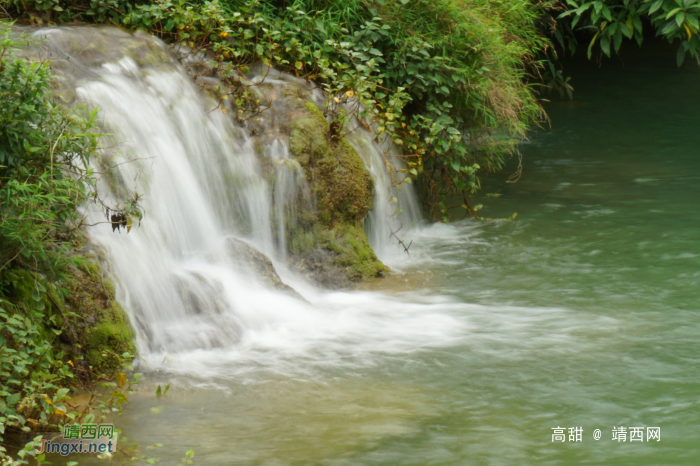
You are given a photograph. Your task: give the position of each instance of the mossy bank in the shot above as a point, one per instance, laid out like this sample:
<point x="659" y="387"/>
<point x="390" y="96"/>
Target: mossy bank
<point x="82" y="320"/>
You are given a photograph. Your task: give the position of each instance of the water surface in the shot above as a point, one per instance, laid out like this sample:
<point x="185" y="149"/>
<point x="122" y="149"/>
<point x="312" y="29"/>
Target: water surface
<point x="582" y="312"/>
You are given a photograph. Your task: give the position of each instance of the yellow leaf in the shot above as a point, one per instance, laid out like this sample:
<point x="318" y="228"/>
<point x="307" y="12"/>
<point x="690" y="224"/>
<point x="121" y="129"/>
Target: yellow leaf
<point x="47" y="399"/>
<point x="121" y="379"/>
<point x="128" y="224"/>
<point x="59" y="412"/>
<point x="299" y="65"/>
<point x="687" y="30"/>
<point x="337" y="101"/>
<point x="350" y="94"/>
<point x="71" y="363"/>
<point x="223" y="110"/>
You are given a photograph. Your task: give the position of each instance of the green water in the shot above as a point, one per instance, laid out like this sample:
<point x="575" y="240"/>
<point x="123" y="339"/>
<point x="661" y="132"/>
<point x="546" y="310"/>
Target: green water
<point x="582" y="312"/>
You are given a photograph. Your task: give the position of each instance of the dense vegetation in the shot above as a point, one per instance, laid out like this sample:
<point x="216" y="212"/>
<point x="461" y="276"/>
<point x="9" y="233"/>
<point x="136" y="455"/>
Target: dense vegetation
<point x="38" y="147"/>
<point x="444" y="79"/>
<point x="47" y="289"/>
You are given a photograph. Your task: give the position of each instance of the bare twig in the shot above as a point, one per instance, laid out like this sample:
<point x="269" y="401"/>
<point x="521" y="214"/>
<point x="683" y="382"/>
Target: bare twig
<point x="401" y="242"/>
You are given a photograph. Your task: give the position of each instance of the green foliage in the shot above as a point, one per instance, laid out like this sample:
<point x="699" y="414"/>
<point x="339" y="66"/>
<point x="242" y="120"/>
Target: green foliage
<point x="44" y="152"/>
<point x="53" y="11"/>
<point x="612" y="21"/>
<point x="443" y="79"/>
<point x="450" y="92"/>
<point x="31" y="374"/>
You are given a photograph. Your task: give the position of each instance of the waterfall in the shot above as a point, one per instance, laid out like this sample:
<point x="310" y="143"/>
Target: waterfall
<point x="201" y="185"/>
<point x="395" y="209"/>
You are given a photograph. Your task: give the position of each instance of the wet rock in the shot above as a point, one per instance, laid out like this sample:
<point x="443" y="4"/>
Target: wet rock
<point x="317" y="267"/>
<point x="245" y="254"/>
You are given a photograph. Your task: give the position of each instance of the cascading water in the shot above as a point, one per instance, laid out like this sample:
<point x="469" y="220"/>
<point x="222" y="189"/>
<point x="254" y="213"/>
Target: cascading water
<point x="201" y="185"/>
<point x="290" y="185"/>
<point x="395" y="208"/>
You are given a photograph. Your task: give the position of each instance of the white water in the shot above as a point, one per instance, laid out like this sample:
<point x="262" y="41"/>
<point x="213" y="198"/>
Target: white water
<point x="194" y="306"/>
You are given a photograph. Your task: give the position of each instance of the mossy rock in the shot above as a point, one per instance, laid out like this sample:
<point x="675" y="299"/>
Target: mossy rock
<point x="325" y="240"/>
<point x="105" y="345"/>
<point x="343" y="192"/>
<point x="342" y="186"/>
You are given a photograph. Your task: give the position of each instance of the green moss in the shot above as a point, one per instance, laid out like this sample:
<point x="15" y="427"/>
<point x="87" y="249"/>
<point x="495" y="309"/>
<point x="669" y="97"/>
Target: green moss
<point x="343" y="192"/>
<point x="308" y="141"/>
<point x="105" y="345"/>
<point x="99" y="323"/>
<point x="354" y="253"/>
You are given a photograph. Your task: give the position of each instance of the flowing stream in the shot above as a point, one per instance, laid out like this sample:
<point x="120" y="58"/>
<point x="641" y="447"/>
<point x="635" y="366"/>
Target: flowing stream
<point x="582" y="312"/>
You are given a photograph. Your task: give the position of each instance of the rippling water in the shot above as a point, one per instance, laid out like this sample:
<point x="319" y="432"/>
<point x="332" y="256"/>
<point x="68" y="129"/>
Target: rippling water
<point x="582" y="312"/>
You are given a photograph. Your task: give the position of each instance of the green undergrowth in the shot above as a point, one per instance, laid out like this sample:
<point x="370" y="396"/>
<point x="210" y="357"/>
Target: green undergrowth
<point x="60" y="328"/>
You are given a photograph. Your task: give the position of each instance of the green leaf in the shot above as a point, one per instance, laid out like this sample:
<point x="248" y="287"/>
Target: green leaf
<point x="679" y="18"/>
<point x="670" y="26"/>
<point x="605" y="45"/>
<point x="637" y="23"/>
<point x="680" y="56"/>
<point x="590" y="46"/>
<point x="672" y="12"/>
<point x="607" y="14"/>
<point x="626" y="30"/>
<point x="655" y="6"/>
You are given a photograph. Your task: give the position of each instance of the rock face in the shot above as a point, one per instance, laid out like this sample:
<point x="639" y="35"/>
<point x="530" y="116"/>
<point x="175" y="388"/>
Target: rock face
<point x="245" y="254"/>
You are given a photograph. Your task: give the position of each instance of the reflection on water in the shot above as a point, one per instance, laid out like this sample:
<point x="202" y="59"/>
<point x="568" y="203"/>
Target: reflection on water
<point x="583" y="312"/>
